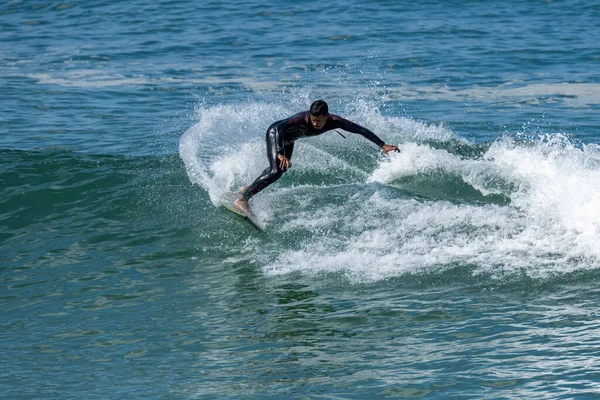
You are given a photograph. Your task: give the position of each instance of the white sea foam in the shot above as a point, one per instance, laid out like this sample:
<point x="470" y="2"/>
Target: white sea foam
<point x="552" y="225"/>
<point x="225" y="147"/>
<point x="559" y="185"/>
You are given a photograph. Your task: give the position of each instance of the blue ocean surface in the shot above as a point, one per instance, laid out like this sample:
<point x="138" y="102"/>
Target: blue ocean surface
<point x="466" y="266"/>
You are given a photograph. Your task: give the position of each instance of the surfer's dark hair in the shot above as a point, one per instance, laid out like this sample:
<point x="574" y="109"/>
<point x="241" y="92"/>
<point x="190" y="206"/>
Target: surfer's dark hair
<point x="319" y="107"/>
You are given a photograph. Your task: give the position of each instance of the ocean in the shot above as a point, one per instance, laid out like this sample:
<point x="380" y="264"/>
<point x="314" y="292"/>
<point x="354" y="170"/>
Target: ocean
<point x="466" y="266"/>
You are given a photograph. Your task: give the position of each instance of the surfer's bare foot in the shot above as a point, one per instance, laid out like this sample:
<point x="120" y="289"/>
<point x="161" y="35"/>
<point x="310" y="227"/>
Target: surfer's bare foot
<point x="242" y="204"/>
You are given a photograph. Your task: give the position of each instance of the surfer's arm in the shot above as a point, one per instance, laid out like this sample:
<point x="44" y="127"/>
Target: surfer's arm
<point x="284" y="160"/>
<point x="279" y="138"/>
<point x="361" y="130"/>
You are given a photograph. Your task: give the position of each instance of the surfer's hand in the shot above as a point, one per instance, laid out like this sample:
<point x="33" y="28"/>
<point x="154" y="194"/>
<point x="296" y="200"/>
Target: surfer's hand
<point x="389" y="147"/>
<point x="284" y="162"/>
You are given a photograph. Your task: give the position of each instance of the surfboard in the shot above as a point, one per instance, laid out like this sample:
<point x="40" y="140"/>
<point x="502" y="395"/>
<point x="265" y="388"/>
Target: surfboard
<point x="228" y="198"/>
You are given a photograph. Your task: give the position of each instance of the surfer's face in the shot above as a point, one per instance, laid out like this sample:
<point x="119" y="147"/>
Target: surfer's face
<point x="318" y="121"/>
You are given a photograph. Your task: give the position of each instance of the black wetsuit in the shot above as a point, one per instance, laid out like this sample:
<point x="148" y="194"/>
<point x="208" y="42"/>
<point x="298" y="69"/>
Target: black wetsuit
<point x="280" y="141"/>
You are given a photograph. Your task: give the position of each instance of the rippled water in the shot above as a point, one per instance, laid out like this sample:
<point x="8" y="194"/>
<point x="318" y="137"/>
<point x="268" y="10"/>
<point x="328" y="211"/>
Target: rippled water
<point x="464" y="267"/>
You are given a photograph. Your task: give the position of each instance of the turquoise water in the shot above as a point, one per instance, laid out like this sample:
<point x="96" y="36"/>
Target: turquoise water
<point x="464" y="267"/>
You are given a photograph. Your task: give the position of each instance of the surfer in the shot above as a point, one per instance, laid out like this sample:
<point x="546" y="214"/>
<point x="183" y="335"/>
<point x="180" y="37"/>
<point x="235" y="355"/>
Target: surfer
<point x="280" y="144"/>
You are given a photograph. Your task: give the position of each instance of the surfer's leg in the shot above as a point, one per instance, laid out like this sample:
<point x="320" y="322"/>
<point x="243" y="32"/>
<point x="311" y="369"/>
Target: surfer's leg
<point x="273" y="172"/>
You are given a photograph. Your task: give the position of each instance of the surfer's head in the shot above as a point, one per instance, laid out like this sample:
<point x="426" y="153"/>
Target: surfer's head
<point x="319" y="111"/>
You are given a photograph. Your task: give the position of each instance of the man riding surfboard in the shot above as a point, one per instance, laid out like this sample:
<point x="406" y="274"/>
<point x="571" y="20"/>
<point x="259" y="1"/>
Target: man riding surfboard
<point x="281" y="136"/>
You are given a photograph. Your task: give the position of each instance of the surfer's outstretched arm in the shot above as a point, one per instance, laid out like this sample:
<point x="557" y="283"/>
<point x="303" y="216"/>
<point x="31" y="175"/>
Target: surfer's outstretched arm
<point x="361" y="130"/>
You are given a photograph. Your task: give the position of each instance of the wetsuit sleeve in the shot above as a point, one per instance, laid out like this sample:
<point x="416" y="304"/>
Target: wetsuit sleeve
<point x="281" y="131"/>
<point x="355" y="128"/>
<point x="279" y="137"/>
